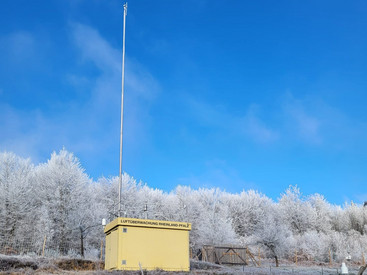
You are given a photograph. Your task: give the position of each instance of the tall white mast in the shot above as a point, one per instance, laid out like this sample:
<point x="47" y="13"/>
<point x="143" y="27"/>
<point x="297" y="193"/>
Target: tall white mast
<point x="122" y="105"/>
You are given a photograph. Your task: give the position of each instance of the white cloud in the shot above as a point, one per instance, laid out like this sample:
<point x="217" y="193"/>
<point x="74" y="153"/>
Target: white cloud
<point x="316" y="122"/>
<point x="96" y="49"/>
<point x="306" y="120"/>
<point x="141" y="87"/>
<point x="249" y="125"/>
<point x="18" y="47"/>
<point x="89" y="127"/>
<point x="256" y="128"/>
<point x="214" y="173"/>
<point x="22" y="132"/>
<point x="304" y="123"/>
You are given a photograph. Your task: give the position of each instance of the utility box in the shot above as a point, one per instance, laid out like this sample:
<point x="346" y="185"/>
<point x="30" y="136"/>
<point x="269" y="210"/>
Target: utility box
<point x="133" y="244"/>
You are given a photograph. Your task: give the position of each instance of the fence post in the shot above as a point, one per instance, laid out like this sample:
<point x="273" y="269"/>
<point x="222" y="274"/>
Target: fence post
<point x="330" y="262"/>
<point x="101" y="250"/>
<point x="296" y="258"/>
<point x="44" y="245"/>
<point x="246" y="256"/>
<point x="259" y="256"/>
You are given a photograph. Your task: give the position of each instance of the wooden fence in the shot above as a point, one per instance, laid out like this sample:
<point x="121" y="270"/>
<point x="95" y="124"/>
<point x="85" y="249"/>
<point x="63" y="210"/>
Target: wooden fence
<point x="227" y="255"/>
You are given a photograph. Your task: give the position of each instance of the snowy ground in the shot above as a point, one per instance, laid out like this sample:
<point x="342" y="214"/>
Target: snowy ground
<point x="29" y="265"/>
<point x="268" y="269"/>
<point x="294" y="270"/>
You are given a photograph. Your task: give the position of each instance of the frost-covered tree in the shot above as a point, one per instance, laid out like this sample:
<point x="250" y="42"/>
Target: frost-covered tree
<point x="321" y="214"/>
<point x="89" y="220"/>
<point x="58" y="200"/>
<point x="296" y="213"/>
<point x="356" y="217"/>
<point x="215" y="227"/>
<point x="131" y="204"/>
<point x="62" y="186"/>
<point x="313" y="245"/>
<point x="152" y="204"/>
<point x="16" y="198"/>
<point x="273" y="235"/>
<point x="247" y="209"/>
<point x="338" y="220"/>
<point x="188" y="209"/>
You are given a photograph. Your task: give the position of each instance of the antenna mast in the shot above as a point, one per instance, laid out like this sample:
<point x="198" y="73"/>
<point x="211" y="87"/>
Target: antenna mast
<point x="122" y="105"/>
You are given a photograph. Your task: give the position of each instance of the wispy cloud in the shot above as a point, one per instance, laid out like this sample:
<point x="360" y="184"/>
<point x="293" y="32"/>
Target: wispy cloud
<point x="303" y="123"/>
<point x="309" y="121"/>
<point x="214" y="173"/>
<point x="78" y="124"/>
<point x="140" y="88"/>
<point x="317" y="123"/>
<point x="93" y="47"/>
<point x="249" y="125"/>
<point x="22" y="131"/>
<point x="256" y="128"/>
<point x="18" y="46"/>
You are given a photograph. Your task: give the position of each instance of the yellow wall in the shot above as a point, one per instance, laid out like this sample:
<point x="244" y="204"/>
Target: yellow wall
<point x="154" y="244"/>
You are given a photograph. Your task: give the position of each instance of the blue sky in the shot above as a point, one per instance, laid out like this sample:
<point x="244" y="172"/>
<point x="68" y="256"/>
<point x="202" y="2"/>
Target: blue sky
<point x="229" y="94"/>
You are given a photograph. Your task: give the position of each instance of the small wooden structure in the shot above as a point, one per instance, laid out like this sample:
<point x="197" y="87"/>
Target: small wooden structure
<point x="228" y="255"/>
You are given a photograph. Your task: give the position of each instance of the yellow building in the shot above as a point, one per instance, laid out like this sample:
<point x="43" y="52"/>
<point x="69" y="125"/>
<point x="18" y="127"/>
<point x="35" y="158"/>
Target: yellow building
<point x="132" y="244"/>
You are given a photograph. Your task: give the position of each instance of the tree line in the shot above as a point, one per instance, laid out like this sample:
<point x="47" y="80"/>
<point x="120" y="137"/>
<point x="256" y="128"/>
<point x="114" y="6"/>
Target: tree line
<point x="57" y="200"/>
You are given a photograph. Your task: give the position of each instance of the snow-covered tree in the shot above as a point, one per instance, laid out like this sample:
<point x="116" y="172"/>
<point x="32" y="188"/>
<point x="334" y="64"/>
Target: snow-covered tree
<point x="247" y="210"/>
<point x="356" y="217"/>
<point x="62" y="186"/>
<point x="131" y="204"/>
<point x="273" y="235"/>
<point x="296" y="213"/>
<point x="16" y="198"/>
<point x="313" y="245"/>
<point x="321" y="213"/>
<point x="58" y="200"/>
<point x="188" y="209"/>
<point x="215" y="227"/>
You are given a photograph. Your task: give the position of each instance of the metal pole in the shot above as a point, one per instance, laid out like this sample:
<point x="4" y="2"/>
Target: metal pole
<point x="122" y="105"/>
<point x="146" y="211"/>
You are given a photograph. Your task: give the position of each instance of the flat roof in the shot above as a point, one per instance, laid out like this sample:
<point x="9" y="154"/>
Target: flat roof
<point x="130" y="222"/>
